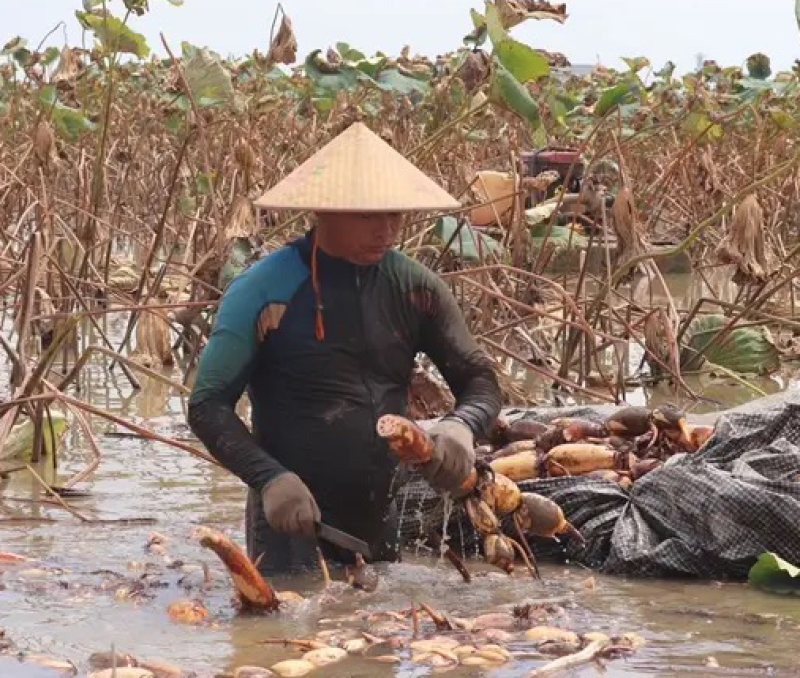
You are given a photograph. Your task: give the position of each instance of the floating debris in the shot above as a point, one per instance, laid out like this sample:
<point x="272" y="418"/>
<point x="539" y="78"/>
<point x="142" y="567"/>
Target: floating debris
<point x="252" y="672"/>
<point x="125" y="672"/>
<point x="60" y="666"/>
<point x="325" y="656"/>
<point x="293" y="668"/>
<point x="188" y="612"/>
<point x="107" y="660"/>
<point x="12" y="559"/>
<point x="361" y="575"/>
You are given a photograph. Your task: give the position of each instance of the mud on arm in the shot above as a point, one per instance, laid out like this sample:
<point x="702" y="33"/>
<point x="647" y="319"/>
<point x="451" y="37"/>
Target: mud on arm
<point x="469" y="372"/>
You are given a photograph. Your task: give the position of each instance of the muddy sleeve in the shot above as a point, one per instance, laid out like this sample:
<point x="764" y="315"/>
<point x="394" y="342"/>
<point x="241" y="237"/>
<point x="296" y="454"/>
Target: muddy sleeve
<point x="469" y="372"/>
<point x="222" y="377"/>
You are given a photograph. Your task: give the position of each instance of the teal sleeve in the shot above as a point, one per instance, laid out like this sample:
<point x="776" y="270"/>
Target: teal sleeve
<point x="233" y="345"/>
<point x="226" y="363"/>
<point x="231" y="348"/>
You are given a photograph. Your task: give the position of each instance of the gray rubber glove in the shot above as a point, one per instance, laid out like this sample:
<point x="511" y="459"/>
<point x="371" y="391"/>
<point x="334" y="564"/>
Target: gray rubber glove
<point x="289" y="506"/>
<point x="453" y="456"/>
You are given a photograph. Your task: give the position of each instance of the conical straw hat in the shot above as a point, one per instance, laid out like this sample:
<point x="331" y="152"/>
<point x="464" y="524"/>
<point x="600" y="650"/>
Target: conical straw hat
<point x="357" y="172"/>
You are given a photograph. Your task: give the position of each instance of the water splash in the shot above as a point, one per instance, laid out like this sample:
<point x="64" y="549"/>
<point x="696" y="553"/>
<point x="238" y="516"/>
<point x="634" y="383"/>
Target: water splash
<point x="447" y="512"/>
<point x="401" y="517"/>
<point x="419" y="516"/>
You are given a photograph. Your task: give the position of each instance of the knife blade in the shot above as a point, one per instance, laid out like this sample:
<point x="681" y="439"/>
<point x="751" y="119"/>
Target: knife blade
<point x="343" y="540"/>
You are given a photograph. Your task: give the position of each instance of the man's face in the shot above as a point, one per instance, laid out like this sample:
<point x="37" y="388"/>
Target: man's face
<point x="362" y="238"/>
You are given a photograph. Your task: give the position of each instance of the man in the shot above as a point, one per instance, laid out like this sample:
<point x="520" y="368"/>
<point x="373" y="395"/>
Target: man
<point x="323" y="334"/>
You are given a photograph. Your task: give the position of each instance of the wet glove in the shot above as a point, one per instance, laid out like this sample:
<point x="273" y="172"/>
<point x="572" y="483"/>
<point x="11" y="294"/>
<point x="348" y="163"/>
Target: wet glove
<point x="453" y="455"/>
<point x="289" y="506"/>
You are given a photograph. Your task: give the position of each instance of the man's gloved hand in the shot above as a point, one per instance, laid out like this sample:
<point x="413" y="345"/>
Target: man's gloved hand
<point x="453" y="455"/>
<point x="289" y="506"/>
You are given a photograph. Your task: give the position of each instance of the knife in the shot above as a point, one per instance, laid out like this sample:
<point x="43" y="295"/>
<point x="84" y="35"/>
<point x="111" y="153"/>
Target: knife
<point x="343" y="540"/>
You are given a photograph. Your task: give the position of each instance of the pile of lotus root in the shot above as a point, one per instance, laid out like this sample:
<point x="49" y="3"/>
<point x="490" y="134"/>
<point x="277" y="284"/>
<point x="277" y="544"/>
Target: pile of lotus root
<point x="629" y="444"/>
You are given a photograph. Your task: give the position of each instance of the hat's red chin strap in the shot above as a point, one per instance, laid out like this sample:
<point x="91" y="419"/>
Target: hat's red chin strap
<point x="319" y="325"/>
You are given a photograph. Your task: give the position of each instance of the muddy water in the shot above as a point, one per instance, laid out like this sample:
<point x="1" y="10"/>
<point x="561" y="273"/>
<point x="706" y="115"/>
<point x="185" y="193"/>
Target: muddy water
<point x="70" y="602"/>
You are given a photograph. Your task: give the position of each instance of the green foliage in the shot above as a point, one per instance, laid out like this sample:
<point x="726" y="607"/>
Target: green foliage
<point x="50" y="56"/>
<point x="771" y="573"/>
<point x="203" y="184"/>
<point x="712" y="105"/>
<point x="782" y="119"/>
<point x="699" y="125"/>
<point x="522" y="62"/>
<point x="494" y="25"/>
<point x="356" y="70"/>
<point x="69" y="122"/>
<point x="209" y="81"/>
<point x="17" y="49"/>
<point x="758" y="66"/>
<point x="612" y="98"/>
<point x="137" y="7"/>
<point x="637" y="64"/>
<point x="241" y="253"/>
<point x="745" y="350"/>
<point x="113" y="34"/>
<point x="562" y="237"/>
<point x="19" y="443"/>
<point x="507" y="92"/>
<point x="13" y="45"/>
<point x="541" y="213"/>
<point x="667" y="71"/>
<point x="469" y="244"/>
<point x="333" y="79"/>
<point x="478" y="36"/>
<point x="348" y="53"/>
<point x="393" y="80"/>
<point x="174" y="123"/>
<point x="514" y="64"/>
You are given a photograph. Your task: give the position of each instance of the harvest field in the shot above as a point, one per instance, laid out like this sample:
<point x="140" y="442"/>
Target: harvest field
<point x="656" y="264"/>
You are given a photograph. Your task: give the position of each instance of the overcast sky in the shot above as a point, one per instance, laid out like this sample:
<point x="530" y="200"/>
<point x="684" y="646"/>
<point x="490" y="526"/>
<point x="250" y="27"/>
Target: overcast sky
<point x="597" y="30"/>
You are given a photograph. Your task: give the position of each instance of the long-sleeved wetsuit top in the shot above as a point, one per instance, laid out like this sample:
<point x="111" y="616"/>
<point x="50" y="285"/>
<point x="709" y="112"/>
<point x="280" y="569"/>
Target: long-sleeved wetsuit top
<point x="315" y="404"/>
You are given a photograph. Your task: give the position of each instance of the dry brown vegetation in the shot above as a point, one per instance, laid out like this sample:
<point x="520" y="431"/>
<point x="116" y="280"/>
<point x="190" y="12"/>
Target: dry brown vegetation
<point x="126" y="188"/>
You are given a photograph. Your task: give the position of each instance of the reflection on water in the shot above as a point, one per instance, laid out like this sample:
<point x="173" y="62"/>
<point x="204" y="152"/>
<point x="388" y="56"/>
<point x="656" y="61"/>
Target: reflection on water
<point x="71" y="609"/>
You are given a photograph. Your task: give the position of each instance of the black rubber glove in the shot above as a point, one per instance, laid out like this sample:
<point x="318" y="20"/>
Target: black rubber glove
<point x="453" y="455"/>
<point x="289" y="506"/>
